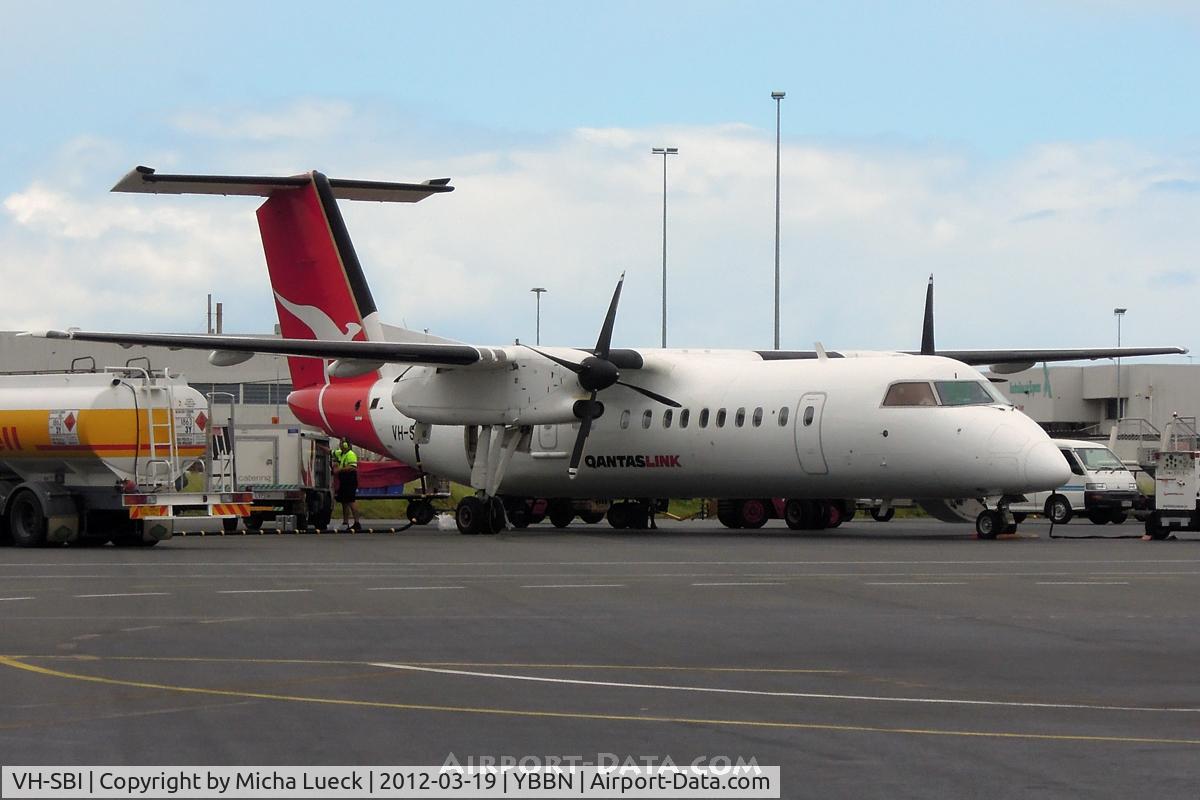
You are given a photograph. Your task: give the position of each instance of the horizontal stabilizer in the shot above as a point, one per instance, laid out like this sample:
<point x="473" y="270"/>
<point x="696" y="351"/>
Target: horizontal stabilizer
<point x="145" y="180"/>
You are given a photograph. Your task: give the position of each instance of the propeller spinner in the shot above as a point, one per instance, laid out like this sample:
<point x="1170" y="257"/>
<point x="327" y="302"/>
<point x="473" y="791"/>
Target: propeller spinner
<point x="595" y="374"/>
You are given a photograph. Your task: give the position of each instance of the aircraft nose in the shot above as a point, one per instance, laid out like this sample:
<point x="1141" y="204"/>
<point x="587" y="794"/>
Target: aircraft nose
<point x="1045" y="467"/>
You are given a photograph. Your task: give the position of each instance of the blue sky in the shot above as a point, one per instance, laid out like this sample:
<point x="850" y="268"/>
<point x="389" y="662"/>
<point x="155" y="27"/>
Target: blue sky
<point x="1023" y="151"/>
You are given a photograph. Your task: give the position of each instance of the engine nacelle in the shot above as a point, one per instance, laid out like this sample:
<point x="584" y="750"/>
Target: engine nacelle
<point x="525" y="391"/>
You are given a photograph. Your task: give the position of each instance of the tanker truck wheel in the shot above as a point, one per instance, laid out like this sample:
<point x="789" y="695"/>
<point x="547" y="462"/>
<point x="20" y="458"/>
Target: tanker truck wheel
<point x="132" y="536"/>
<point x="27" y="520"/>
<point x="230" y="524"/>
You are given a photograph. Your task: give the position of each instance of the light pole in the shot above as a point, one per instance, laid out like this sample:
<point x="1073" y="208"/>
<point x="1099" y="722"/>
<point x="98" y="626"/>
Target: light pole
<point x="777" y="97"/>
<point x="537" y="291"/>
<point x="1118" y="313"/>
<point x="664" y="152"/>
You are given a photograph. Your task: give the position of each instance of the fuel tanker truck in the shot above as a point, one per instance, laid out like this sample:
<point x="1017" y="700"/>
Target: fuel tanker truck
<point x="102" y="455"/>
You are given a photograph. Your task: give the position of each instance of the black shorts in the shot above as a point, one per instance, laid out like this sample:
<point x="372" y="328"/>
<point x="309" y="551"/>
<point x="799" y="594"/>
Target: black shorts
<point x="347" y="490"/>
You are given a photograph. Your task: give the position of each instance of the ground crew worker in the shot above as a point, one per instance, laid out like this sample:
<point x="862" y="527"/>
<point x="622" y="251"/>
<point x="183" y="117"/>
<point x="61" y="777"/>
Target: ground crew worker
<point x="347" y="490"/>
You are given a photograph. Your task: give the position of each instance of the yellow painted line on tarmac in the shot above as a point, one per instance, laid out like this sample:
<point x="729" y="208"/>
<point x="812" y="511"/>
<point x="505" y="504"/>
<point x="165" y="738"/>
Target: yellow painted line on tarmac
<point x="15" y="663"/>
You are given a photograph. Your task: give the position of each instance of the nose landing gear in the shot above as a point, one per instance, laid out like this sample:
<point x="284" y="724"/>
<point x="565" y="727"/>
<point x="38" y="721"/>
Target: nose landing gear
<point x="992" y="522"/>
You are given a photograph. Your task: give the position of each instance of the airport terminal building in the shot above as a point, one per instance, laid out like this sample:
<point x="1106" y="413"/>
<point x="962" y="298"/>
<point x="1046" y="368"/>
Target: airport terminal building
<point x="1082" y="400"/>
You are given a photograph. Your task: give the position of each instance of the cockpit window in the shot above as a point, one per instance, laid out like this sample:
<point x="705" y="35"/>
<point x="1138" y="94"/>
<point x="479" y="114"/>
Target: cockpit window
<point x="909" y="394"/>
<point x="964" y="393"/>
<point x="1095" y="458"/>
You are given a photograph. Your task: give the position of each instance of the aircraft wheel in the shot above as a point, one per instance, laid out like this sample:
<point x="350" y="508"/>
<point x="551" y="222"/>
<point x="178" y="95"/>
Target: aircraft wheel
<point x="753" y="514"/>
<point x="1058" y="509"/>
<point x="988" y="524"/>
<point x="833" y="514"/>
<point x="727" y="513"/>
<point x="879" y="515"/>
<point x="229" y="524"/>
<point x="591" y="517"/>
<point x="639" y="516"/>
<point x="618" y="515"/>
<point x="848" y="510"/>
<point x="27" y="520"/>
<point x="495" y="516"/>
<point x="420" y="512"/>
<point x="561" y="514"/>
<point x="793" y="514"/>
<point x="471" y="516"/>
<point x="518" y="513"/>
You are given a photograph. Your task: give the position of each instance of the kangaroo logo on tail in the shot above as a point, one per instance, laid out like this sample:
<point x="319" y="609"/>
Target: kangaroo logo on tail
<point x="318" y="322"/>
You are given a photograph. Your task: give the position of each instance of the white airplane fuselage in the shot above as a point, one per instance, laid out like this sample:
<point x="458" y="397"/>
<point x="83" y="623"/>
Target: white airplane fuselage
<point x="790" y="428"/>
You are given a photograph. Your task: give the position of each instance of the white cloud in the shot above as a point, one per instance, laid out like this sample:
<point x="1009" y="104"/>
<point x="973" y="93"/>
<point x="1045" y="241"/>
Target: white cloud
<point x="1033" y="250"/>
<point x="301" y="120"/>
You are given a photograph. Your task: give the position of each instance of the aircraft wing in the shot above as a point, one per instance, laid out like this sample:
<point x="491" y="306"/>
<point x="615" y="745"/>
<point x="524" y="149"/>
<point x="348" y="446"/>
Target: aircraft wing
<point x="1034" y="356"/>
<point x="452" y="355"/>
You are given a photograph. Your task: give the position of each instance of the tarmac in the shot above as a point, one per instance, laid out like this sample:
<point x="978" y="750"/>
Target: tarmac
<point x="905" y="659"/>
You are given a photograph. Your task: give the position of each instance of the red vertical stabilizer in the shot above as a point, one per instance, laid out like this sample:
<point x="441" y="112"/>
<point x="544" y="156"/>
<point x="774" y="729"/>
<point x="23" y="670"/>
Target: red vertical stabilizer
<point x="320" y="291"/>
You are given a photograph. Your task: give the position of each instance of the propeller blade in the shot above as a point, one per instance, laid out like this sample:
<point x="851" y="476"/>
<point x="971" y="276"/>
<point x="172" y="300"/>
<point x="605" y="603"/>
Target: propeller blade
<point x="562" y="362"/>
<point x="927" y="348"/>
<point x="666" y="401"/>
<point x="604" y="343"/>
<point x="585" y="427"/>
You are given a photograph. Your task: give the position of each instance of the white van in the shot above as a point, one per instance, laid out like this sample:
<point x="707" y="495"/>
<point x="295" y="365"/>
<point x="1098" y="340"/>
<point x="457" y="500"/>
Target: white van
<point x="1100" y="487"/>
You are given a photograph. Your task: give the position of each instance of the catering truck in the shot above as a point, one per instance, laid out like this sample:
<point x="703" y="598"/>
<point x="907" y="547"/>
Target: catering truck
<point x="93" y="455"/>
<point x="284" y="468"/>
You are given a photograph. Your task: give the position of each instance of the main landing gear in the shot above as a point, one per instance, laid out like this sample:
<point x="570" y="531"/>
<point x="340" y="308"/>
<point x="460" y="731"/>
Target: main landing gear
<point x="799" y="514"/>
<point x="476" y="515"/>
<point x="489" y="449"/>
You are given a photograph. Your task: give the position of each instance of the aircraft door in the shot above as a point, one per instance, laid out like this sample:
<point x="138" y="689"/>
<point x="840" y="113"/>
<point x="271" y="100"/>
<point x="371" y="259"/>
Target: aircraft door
<point x="808" y="434"/>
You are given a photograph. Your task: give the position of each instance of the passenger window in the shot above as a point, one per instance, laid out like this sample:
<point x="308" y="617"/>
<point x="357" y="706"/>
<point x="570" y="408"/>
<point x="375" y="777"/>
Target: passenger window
<point x="720" y="418"/>
<point x="625" y="419"/>
<point x="667" y="415"/>
<point x="783" y="416"/>
<point x="809" y="413"/>
<point x="704" y="418"/>
<point x="757" y="418"/>
<point x="647" y="418"/>
<point x="739" y="419"/>
<point x="913" y="393"/>
<point x="684" y="416"/>
<point x="1073" y="463"/>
